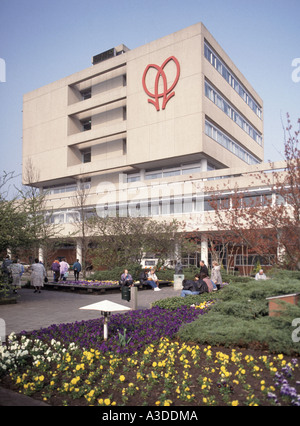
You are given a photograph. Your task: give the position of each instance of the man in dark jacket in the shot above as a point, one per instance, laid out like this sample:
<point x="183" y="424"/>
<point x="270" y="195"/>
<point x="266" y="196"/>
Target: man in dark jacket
<point x="203" y="270"/>
<point x="76" y="269"/>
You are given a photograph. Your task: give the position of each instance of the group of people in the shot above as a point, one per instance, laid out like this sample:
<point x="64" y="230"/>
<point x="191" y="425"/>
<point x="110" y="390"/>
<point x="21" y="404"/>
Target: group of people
<point x="61" y="268"/>
<point x="13" y="269"/>
<point x="202" y="283"/>
<point x="148" y="278"/>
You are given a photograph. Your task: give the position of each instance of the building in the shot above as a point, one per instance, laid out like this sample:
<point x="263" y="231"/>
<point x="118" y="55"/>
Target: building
<point x="145" y="129"/>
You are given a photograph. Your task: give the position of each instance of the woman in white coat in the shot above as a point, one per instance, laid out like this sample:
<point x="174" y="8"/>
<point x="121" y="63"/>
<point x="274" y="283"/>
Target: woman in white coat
<point x="38" y="274"/>
<point x="216" y="274"/>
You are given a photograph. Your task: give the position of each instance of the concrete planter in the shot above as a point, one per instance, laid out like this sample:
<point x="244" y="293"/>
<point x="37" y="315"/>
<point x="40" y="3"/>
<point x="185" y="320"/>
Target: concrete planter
<point x="275" y="308"/>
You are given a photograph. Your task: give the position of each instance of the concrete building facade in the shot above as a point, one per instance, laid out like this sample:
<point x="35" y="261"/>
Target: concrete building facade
<point x="145" y="129"/>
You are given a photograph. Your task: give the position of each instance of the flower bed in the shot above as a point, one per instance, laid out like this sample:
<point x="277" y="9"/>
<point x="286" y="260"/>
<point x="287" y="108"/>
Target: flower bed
<point x="167" y="372"/>
<point x="142" y="327"/>
<point x="142" y="363"/>
<point x="89" y="283"/>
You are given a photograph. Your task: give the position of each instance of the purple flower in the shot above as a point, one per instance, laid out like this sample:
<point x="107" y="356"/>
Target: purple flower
<point x="142" y="327"/>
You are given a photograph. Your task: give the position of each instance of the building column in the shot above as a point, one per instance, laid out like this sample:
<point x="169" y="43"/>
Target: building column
<point x="203" y="163"/>
<point x="204" y="249"/>
<point x="79" y="251"/>
<point x="142" y="174"/>
<point x="41" y="254"/>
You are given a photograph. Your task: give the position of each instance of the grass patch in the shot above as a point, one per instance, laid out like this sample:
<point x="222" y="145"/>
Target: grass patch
<point x="241" y="317"/>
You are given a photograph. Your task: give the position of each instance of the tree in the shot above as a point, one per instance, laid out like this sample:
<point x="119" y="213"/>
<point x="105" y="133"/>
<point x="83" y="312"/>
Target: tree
<point x="125" y="240"/>
<point x="13" y="221"/>
<point x="81" y="220"/>
<point x="263" y="223"/>
<point x="39" y="229"/>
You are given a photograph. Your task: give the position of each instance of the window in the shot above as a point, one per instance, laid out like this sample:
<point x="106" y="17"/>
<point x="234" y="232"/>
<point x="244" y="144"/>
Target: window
<point x="86" y="155"/>
<point x="86" y="124"/>
<point x="153" y="175"/>
<point x="226" y="142"/>
<point x="86" y="94"/>
<point x="133" y="178"/>
<point x="218" y="64"/>
<point x="171" y="173"/>
<point x="221" y="103"/>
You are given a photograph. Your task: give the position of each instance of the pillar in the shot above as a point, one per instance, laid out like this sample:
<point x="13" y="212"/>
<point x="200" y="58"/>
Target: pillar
<point x="79" y="251"/>
<point x="41" y="254"/>
<point x="204" y="249"/>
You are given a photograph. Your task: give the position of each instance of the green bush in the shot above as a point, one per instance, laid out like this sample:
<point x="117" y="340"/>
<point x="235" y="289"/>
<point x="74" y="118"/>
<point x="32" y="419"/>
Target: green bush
<point x="240" y="318"/>
<point x="115" y="273"/>
<point x="173" y="303"/>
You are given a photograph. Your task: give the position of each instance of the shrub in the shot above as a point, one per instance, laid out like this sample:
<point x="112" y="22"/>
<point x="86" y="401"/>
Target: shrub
<point x="241" y="317"/>
<point x="173" y="303"/>
<point x="115" y="274"/>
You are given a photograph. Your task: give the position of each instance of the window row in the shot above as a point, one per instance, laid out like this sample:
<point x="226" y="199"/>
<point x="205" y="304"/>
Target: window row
<point x="185" y="204"/>
<point x="219" y="65"/>
<point x="221" y="103"/>
<point x="168" y="206"/>
<point x="61" y="189"/>
<point x="168" y="172"/>
<point x="220" y="137"/>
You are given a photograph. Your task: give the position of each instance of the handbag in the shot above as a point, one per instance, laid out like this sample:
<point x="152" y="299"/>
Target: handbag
<point x="46" y="280"/>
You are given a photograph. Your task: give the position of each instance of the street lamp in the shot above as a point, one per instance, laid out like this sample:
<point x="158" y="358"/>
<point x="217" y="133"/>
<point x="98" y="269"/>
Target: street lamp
<point x="106" y="308"/>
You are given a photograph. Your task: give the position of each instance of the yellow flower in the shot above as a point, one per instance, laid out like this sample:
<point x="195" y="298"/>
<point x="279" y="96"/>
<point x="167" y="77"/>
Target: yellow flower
<point x="235" y="403"/>
<point x="122" y="378"/>
<point x="107" y="401"/>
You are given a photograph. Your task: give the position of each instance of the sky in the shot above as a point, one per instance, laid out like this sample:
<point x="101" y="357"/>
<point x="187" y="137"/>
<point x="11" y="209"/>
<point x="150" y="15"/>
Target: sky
<point x="42" y="41"/>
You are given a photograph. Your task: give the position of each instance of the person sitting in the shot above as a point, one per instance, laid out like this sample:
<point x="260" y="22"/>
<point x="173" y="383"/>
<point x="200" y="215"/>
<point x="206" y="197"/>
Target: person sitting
<point x="152" y="280"/>
<point x="260" y="275"/>
<point x="195" y="287"/>
<point x="126" y="279"/>
<point x="143" y="277"/>
<point x="209" y="283"/>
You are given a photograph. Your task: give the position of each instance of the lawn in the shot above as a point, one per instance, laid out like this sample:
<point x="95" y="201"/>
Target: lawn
<point x="157" y="358"/>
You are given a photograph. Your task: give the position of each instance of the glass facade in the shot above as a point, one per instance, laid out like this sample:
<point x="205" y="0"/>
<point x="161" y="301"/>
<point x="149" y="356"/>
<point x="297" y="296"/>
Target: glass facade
<point x="222" y="69"/>
<point x="217" y="135"/>
<point x="232" y="113"/>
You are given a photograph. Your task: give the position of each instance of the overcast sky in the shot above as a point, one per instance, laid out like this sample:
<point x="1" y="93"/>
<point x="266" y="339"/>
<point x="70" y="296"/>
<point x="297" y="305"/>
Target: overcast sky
<point x="42" y="41"/>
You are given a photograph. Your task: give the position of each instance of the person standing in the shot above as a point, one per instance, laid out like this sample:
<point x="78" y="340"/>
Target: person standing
<point x="16" y="271"/>
<point x="38" y="274"/>
<point x="64" y="270"/>
<point x="203" y="270"/>
<point x="216" y="275"/>
<point x="55" y="267"/>
<point x="76" y="269"/>
<point x="5" y="265"/>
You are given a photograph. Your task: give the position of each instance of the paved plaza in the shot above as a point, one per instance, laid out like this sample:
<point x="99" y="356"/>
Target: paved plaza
<point x="38" y="310"/>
